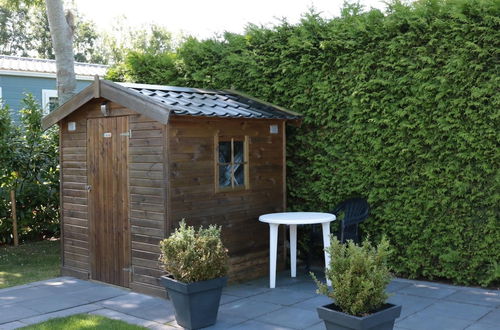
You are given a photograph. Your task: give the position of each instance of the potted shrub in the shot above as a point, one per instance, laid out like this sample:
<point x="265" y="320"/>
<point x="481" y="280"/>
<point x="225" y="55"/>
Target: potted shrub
<point x="359" y="275"/>
<point x="196" y="265"/>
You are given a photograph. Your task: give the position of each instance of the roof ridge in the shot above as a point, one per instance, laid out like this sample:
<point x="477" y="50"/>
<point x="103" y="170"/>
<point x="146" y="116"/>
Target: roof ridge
<point x="171" y="88"/>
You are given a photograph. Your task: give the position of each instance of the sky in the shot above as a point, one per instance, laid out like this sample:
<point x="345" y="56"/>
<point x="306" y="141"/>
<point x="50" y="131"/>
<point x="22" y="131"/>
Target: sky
<point x="204" y="18"/>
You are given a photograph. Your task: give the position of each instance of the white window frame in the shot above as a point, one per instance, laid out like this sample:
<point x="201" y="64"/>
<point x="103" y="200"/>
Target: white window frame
<point x="46" y="95"/>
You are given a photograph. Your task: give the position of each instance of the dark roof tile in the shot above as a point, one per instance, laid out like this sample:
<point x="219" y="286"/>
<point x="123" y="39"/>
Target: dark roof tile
<point x="213" y="103"/>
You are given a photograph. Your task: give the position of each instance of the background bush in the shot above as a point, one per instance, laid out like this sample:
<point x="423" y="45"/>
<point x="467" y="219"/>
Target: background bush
<point x="401" y="107"/>
<point x="29" y="165"/>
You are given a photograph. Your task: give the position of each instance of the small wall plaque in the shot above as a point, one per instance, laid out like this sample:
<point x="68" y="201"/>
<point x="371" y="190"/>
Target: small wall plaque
<point x="107" y="135"/>
<point x="71" y="126"/>
<point x="273" y="129"/>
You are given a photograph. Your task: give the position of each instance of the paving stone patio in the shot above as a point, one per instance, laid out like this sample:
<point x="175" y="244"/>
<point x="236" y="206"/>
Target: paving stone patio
<point x="251" y="305"/>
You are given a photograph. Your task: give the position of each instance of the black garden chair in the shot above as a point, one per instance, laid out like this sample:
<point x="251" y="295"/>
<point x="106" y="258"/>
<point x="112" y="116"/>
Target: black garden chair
<point x="355" y="211"/>
<point x="350" y="213"/>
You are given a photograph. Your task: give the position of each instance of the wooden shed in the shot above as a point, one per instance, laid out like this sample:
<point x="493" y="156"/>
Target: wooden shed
<point x="136" y="159"/>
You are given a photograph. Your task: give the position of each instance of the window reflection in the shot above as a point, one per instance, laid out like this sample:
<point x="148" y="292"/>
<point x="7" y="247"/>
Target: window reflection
<point x="239" y="175"/>
<point x="225" y="152"/>
<point x="225" y="175"/>
<point x="231" y="163"/>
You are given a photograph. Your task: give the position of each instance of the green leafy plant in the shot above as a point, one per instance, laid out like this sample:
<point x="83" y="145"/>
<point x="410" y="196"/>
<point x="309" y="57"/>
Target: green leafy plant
<point x="29" y="166"/>
<point x="191" y="255"/>
<point x="359" y="276"/>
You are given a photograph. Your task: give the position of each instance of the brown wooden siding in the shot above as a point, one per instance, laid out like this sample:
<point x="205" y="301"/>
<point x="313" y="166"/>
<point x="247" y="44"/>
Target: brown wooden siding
<point x="147" y="202"/>
<point x="192" y="186"/>
<point x="74" y="212"/>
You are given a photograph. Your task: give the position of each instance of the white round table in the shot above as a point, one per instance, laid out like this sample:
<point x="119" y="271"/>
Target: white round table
<point x="293" y="219"/>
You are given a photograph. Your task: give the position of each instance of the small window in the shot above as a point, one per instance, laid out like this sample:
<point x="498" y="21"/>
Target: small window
<point x="231" y="163"/>
<point x="49" y="100"/>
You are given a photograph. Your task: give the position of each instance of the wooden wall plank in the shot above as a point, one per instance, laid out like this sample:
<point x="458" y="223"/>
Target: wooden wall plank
<point x="73" y="176"/>
<point x="193" y="195"/>
<point x="147" y="201"/>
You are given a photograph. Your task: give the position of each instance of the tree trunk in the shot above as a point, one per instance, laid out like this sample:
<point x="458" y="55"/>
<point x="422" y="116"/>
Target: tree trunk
<point x="61" y="30"/>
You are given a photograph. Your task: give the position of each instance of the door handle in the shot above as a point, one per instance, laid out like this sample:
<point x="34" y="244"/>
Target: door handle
<point x="127" y="134"/>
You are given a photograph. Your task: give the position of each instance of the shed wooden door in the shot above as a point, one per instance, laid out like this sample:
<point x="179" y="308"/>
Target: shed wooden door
<point x="108" y="199"/>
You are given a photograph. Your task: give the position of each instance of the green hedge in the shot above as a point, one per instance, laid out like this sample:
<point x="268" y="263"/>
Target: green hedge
<point x="401" y="107"/>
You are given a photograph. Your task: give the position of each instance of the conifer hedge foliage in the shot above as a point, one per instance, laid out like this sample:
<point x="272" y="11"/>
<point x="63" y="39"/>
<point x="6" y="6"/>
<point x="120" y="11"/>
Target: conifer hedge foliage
<point x="401" y="107"/>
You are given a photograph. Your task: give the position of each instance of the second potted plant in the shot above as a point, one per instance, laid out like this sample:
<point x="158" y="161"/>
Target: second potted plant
<point x="196" y="265"/>
<point x="359" y="276"/>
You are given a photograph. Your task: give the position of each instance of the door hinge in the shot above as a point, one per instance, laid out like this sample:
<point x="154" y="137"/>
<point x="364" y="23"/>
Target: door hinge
<point x="128" y="134"/>
<point x="130" y="270"/>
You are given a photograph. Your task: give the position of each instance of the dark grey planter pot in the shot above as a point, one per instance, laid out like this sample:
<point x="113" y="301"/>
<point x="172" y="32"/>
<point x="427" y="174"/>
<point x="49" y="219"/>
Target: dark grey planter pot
<point x="196" y="304"/>
<point x="336" y="320"/>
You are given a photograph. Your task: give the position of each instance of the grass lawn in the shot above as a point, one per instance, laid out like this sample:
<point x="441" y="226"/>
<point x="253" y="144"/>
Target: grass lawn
<point x="28" y="263"/>
<point x="83" y="321"/>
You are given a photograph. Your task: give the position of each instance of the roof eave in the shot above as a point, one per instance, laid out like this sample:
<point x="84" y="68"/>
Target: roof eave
<point x="67" y="108"/>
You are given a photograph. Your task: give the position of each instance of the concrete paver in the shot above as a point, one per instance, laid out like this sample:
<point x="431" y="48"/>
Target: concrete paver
<point x="410" y="304"/>
<point x="244" y="290"/>
<point x="161" y="313"/>
<point x="109" y="313"/>
<point x="482" y="326"/>
<point x="290" y="317"/>
<point x="253" y="325"/>
<point x="15" y="312"/>
<point x="16" y="296"/>
<point x="226" y="298"/>
<point x="317" y="326"/>
<point x="457" y="310"/>
<point x="492" y="317"/>
<point x="304" y="286"/>
<point x="250" y="305"/>
<point x="248" y="309"/>
<point x="62" y="313"/>
<point x="427" y="290"/>
<point x="284" y="297"/>
<point x="12" y="325"/>
<point x="48" y="305"/>
<point x="476" y="297"/>
<point x="423" y="321"/>
<point x="97" y="293"/>
<point x="313" y="303"/>
<point x="226" y="321"/>
<point x="396" y="285"/>
<point x="130" y="301"/>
